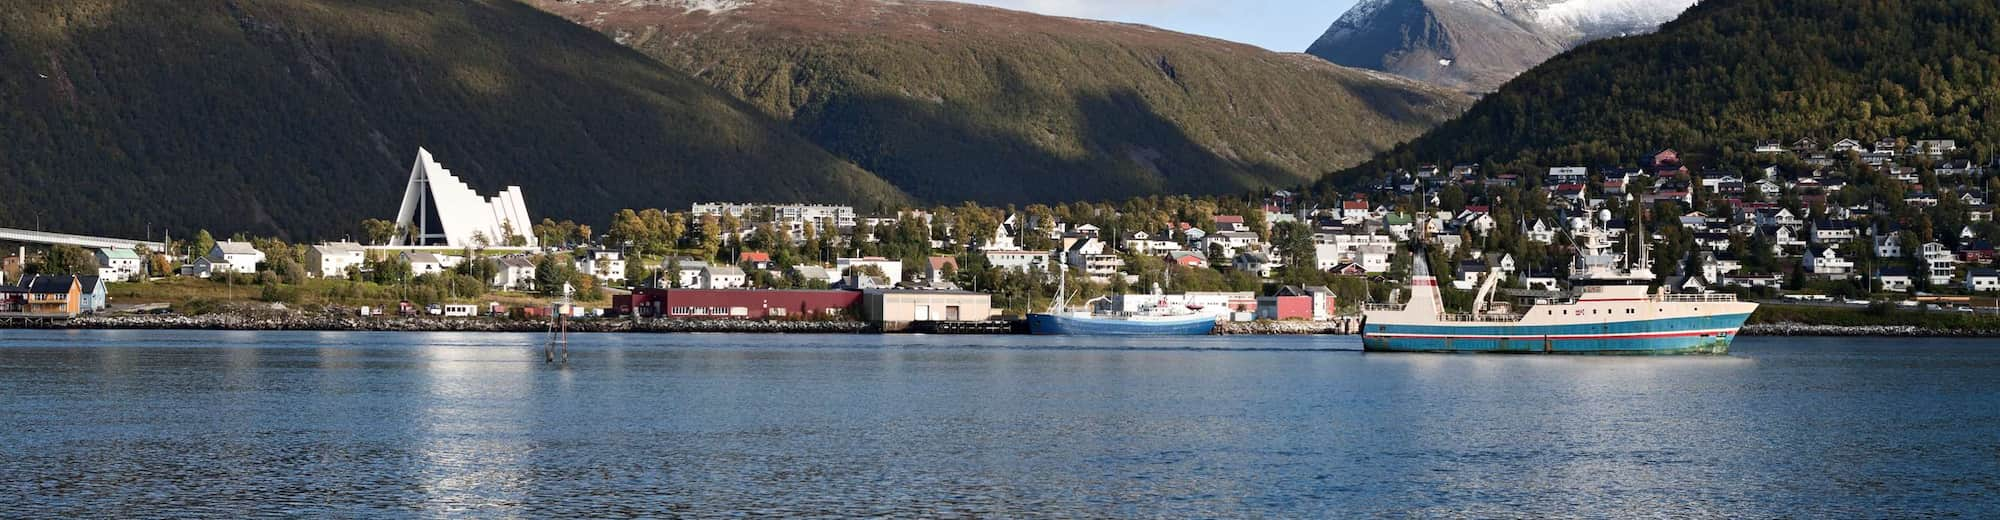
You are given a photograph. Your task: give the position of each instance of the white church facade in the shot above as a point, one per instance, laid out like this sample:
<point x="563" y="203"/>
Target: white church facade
<point x="441" y="210"/>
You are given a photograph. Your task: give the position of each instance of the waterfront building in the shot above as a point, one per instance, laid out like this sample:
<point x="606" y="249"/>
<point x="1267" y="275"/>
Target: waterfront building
<point x="895" y="310"/>
<point x="42" y="295"/>
<point x="735" y="303"/>
<point x="441" y="210"/>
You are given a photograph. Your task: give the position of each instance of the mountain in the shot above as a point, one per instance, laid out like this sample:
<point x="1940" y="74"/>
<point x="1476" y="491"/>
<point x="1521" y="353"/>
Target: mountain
<point x="1730" y="73"/>
<point x="953" y="102"/>
<point x="302" y="117"/>
<point x="1475" y="45"/>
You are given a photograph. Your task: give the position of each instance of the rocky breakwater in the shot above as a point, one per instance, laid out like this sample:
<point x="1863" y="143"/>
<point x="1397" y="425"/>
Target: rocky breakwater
<point x="334" y="322"/>
<point x="1802" y="329"/>
<point x="1281" y="328"/>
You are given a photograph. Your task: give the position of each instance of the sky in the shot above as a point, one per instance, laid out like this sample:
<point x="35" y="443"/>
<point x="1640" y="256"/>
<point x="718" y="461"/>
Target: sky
<point x="1279" y="25"/>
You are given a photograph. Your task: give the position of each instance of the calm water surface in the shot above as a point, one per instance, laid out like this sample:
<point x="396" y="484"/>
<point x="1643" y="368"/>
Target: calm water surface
<point x="142" y="424"/>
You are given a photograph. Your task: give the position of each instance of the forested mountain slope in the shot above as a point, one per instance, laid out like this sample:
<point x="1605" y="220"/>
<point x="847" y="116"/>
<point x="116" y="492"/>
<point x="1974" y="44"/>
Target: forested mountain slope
<point x="1731" y="72"/>
<point x="303" y="117"/>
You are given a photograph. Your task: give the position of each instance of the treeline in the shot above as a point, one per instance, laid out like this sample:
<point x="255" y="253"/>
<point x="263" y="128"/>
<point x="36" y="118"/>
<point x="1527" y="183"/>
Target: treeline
<point x="1730" y="73"/>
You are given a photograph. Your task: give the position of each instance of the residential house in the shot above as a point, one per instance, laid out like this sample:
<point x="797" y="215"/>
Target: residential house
<point x="1231" y="223"/>
<point x="1092" y="257"/>
<point x="805" y="274"/>
<point x="686" y="270"/>
<point x="891" y="269"/>
<point x="1568" y="175"/>
<point x="119" y="264"/>
<point x="516" y="273"/>
<point x="1541" y="232"/>
<point x="940" y="268"/>
<point x="43" y="295"/>
<point x="1188" y="259"/>
<point x="1826" y="262"/>
<point x="755" y="259"/>
<point x="423" y="263"/>
<point x="1889" y="244"/>
<point x="1141" y="242"/>
<point x="1834" y="231"/>
<point x="92" y="293"/>
<point x="1769" y="146"/>
<point x="1018" y="260"/>
<point x="332" y="260"/>
<point x="722" y="277"/>
<point x="1256" y="263"/>
<point x="1982" y="280"/>
<point x="602" y="264"/>
<point x="1469" y="273"/>
<point x="1893" y="279"/>
<point x="234" y="257"/>
<point x="1941" y="265"/>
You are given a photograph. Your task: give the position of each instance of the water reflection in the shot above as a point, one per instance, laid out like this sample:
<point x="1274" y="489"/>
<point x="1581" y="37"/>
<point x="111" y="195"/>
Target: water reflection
<point x="117" y="424"/>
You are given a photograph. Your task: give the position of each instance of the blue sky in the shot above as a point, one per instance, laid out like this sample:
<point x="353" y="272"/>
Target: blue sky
<point x="1279" y="25"/>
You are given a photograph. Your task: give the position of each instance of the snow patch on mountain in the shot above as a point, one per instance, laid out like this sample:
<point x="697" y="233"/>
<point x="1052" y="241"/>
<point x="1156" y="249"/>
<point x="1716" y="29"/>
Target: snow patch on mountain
<point x="1607" y="18"/>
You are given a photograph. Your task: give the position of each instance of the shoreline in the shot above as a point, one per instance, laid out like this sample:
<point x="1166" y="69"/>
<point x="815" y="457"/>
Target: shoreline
<point x="342" y="323"/>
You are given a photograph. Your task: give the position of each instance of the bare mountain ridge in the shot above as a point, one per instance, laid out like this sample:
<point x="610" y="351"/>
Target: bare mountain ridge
<point x="1476" y="45"/>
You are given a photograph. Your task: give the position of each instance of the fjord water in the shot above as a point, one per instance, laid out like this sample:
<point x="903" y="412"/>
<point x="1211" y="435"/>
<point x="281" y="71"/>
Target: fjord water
<point x="228" y="424"/>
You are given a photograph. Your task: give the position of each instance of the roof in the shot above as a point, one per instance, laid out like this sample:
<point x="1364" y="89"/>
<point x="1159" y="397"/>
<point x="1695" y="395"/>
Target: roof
<point x="1228" y="219"/>
<point x="723" y="270"/>
<point x="119" y="253"/>
<point x="517" y="262"/>
<point x="938" y="262"/>
<point x="421" y="258"/>
<point x="753" y="256"/>
<point x="338" y="247"/>
<point x="809" y="271"/>
<point x="1983" y="273"/>
<point x="46" y="284"/>
<point x="236" y="248"/>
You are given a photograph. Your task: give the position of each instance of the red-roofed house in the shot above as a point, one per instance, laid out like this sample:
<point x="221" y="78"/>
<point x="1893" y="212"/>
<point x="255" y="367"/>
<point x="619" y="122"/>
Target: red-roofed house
<point x="756" y="259"/>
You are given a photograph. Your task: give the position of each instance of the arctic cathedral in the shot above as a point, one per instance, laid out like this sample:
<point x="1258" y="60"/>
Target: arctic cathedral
<point x="440" y="210"/>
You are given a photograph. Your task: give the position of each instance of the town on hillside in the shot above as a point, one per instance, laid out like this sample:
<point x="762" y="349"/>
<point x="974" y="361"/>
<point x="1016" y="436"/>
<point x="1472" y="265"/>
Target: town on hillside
<point x="1846" y="223"/>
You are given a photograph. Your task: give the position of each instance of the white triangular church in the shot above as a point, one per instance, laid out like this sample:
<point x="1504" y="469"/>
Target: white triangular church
<point x="440" y="210"/>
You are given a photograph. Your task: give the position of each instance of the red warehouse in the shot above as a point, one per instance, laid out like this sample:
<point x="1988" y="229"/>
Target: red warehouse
<point x="735" y="303"/>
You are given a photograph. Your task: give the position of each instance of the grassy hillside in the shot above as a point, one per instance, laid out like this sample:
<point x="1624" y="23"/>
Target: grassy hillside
<point x="953" y="102"/>
<point x="1731" y="72"/>
<point x="302" y="117"/>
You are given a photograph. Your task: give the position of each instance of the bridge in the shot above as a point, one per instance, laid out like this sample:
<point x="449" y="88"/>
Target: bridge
<point x="44" y="237"/>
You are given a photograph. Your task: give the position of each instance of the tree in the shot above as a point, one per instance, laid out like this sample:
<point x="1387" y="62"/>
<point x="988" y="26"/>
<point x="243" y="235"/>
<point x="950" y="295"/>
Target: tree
<point x="378" y="231"/>
<point x="203" y="243"/>
<point x="1294" y="244"/>
<point x="68" y="260"/>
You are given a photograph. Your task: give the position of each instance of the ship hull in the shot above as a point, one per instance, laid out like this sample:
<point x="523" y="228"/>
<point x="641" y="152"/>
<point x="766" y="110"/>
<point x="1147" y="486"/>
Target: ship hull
<point x="1053" y="325"/>
<point x="1689" y="335"/>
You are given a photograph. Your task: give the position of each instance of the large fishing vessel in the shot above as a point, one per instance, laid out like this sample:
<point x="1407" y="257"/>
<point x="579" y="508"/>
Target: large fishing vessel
<point x="1159" y="319"/>
<point x="1609" y="310"/>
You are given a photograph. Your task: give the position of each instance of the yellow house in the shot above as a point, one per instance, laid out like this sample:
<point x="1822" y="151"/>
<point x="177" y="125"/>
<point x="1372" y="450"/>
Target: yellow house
<point x="46" y="295"/>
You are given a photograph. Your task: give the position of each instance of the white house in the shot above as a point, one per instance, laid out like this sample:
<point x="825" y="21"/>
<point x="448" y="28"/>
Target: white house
<point x="1018" y="260"/>
<point x="1541" y="232"/>
<point x="517" y="273"/>
<point x="234" y="257"/>
<point x="423" y="263"/>
<point x="119" y="265"/>
<point x="1941" y="264"/>
<point x="1982" y="280"/>
<point x="892" y="269"/>
<point x="722" y="277"/>
<point x="602" y="264"/>
<point x="1826" y="262"/>
<point x="1894" y="279"/>
<point x="689" y="271"/>
<point x="331" y="260"/>
<point x="1256" y="263"/>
